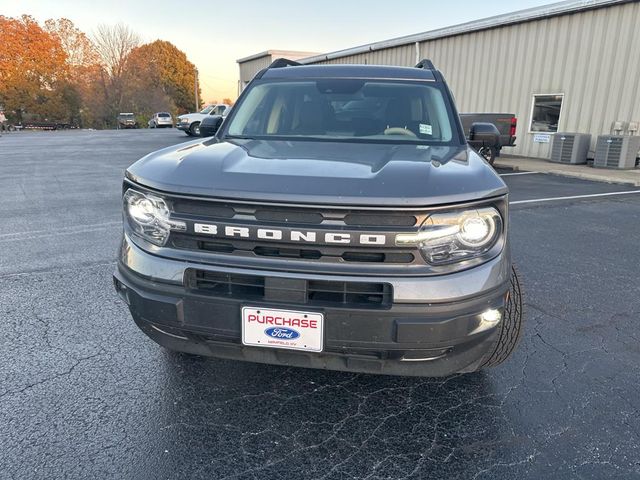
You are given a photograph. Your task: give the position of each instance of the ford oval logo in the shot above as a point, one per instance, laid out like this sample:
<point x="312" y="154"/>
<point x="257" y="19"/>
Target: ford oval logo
<point x="281" y="332"/>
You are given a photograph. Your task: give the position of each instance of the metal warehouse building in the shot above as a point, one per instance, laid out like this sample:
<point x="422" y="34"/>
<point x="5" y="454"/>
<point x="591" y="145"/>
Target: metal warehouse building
<point x="572" y="66"/>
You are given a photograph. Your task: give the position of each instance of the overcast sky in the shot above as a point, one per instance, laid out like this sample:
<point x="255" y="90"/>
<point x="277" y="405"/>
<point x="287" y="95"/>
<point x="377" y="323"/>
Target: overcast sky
<point x="214" y="34"/>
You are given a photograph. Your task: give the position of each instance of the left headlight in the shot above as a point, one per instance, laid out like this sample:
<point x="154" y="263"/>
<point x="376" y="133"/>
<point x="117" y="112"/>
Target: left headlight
<point x="449" y="237"/>
<point x="149" y="217"/>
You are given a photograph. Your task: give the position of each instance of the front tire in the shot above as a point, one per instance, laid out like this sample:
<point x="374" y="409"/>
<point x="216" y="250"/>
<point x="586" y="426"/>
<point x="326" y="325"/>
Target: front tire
<point x="511" y="327"/>
<point x="194" y="129"/>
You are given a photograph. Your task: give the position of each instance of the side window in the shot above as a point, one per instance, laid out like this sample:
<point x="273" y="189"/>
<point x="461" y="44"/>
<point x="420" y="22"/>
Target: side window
<point x="545" y="113"/>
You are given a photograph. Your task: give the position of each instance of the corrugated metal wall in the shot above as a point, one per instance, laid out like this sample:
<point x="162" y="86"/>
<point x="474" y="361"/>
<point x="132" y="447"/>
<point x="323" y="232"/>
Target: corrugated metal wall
<point x="592" y="57"/>
<point x="249" y="69"/>
<point x="402" y="55"/>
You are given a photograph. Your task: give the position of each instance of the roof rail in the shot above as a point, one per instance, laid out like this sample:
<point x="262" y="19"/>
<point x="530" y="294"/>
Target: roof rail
<point x="426" y="64"/>
<point x="283" y="62"/>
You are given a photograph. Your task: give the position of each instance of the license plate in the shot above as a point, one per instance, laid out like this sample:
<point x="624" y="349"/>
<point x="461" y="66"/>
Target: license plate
<point x="290" y="329"/>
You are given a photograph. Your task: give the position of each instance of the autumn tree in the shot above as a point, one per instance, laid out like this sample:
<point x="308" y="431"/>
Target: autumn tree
<point x="56" y="72"/>
<point x="113" y="45"/>
<point x="163" y="77"/>
<point x="78" y="91"/>
<point x="33" y="70"/>
<point x="80" y="50"/>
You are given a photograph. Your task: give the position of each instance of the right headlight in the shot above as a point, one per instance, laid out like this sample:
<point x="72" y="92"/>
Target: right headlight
<point x="149" y="217"/>
<point x="455" y="236"/>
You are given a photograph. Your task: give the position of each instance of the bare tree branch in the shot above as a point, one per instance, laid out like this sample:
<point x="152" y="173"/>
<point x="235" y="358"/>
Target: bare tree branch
<point x="113" y="44"/>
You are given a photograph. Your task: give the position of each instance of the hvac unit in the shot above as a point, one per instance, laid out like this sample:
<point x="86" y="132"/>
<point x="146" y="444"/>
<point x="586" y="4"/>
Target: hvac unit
<point x="616" y="151"/>
<point x="570" y="148"/>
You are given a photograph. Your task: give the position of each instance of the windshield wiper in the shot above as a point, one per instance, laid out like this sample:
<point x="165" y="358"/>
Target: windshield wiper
<point x="238" y="137"/>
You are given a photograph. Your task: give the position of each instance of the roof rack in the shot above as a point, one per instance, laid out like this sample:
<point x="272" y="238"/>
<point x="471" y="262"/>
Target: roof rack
<point x="283" y="62"/>
<point x="425" y="64"/>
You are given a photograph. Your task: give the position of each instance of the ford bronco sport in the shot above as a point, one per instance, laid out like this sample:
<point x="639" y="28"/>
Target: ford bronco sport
<point x="338" y="219"/>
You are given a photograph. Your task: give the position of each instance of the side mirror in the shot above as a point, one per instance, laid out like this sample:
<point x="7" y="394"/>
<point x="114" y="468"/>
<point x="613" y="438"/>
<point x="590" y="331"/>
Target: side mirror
<point x="483" y="134"/>
<point x="210" y="125"/>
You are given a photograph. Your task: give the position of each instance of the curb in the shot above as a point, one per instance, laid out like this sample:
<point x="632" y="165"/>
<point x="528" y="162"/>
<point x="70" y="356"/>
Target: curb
<point x="570" y="174"/>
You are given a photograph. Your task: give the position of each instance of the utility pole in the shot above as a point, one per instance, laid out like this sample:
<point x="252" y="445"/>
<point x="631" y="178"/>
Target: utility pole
<point x="195" y="91"/>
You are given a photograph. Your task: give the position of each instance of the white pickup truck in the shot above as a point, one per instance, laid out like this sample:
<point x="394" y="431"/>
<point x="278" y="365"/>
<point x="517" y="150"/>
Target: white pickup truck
<point x="190" y="122"/>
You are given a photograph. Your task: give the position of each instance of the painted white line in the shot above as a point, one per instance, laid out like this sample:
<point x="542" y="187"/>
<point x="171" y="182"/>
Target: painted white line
<point x="574" y="197"/>
<point x="518" y="173"/>
<point x="65" y="230"/>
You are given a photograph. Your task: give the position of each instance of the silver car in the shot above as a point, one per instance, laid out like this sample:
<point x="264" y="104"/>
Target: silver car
<point x="161" y="120"/>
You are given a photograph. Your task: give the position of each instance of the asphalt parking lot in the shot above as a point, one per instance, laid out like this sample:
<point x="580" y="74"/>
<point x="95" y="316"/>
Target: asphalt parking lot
<point x="84" y="394"/>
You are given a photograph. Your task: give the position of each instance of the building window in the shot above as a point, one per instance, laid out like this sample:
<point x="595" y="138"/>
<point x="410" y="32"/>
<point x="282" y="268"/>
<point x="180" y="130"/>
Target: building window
<point x="545" y="113"/>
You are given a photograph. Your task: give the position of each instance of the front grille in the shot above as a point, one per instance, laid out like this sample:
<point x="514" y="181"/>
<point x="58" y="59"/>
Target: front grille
<point x="295" y="215"/>
<point x="355" y="221"/>
<point x="289" y="251"/>
<point x="313" y="293"/>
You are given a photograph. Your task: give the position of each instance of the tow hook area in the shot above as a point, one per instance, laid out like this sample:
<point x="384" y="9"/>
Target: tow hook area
<point x="122" y="290"/>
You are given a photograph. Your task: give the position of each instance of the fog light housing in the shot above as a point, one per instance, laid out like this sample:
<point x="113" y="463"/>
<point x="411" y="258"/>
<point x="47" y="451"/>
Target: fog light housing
<point x="488" y="319"/>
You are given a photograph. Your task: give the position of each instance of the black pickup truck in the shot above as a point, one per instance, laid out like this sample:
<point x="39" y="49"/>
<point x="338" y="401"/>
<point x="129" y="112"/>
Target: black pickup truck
<point x="505" y="123"/>
<point x="338" y="219"/>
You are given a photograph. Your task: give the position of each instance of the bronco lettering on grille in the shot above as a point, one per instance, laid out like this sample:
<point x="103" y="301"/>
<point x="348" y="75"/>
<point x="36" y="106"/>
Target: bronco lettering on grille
<point x="290" y="235"/>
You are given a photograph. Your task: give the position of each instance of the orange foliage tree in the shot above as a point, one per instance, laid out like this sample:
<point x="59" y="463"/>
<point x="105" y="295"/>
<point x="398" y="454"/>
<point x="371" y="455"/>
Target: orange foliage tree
<point x="56" y="72"/>
<point x="33" y="71"/>
<point x="162" y="78"/>
<point x="80" y="91"/>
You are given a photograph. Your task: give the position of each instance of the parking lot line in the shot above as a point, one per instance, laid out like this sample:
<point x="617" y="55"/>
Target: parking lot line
<point x="517" y="173"/>
<point x="69" y="229"/>
<point x="574" y="197"/>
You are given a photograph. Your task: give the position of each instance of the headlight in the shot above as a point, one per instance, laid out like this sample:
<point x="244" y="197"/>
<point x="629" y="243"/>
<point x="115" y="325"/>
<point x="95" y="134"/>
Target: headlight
<point x="455" y="236"/>
<point x="149" y="217"/>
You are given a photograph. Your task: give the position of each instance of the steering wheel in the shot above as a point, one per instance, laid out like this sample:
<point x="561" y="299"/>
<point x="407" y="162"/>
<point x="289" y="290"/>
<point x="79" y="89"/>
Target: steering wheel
<point x="399" y="131"/>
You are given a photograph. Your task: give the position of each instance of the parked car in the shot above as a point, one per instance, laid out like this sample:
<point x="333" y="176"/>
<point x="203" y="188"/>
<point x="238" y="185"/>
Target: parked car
<point x="506" y="123"/>
<point x="190" y="122"/>
<point x="161" y="120"/>
<point x="210" y="124"/>
<point x="126" y="120"/>
<point x="377" y="244"/>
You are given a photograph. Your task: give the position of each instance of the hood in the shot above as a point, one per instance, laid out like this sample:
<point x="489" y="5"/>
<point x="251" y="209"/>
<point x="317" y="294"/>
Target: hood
<point x="318" y="172"/>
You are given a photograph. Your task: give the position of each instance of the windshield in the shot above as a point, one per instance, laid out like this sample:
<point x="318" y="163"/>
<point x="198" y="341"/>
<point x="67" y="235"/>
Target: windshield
<point x="345" y="109"/>
<point x="206" y="110"/>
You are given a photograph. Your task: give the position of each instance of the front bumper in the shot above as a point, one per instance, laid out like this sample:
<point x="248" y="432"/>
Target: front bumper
<point x="428" y="329"/>
<point x="183" y="126"/>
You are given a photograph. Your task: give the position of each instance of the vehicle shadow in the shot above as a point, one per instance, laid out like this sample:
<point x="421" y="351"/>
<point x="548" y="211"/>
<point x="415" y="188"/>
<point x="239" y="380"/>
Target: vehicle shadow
<point x="222" y="419"/>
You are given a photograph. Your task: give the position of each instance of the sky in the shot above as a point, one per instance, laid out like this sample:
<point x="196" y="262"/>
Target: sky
<point x="214" y="34"/>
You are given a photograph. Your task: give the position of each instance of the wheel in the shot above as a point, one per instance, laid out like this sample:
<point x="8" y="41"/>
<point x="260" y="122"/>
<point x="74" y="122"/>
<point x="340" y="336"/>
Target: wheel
<point x="511" y="327"/>
<point x="488" y="154"/>
<point x="194" y="129"/>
